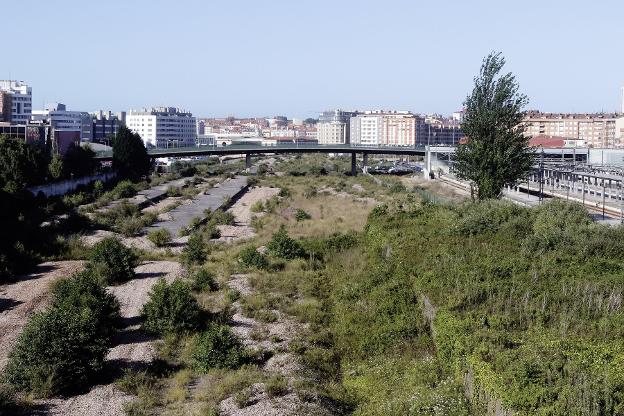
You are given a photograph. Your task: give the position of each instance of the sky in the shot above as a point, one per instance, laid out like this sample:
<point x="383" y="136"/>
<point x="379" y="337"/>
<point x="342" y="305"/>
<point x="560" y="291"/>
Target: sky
<point x="298" y="57"/>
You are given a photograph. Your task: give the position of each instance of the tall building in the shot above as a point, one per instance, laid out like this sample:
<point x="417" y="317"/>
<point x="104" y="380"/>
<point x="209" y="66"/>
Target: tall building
<point x="333" y="127"/>
<point x="18" y="97"/>
<point x="383" y="128"/>
<point x="163" y="126"/>
<point x="596" y="130"/>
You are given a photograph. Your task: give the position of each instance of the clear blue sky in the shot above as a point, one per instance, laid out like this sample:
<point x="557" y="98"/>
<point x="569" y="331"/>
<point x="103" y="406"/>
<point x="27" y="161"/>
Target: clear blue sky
<point x="298" y="57"/>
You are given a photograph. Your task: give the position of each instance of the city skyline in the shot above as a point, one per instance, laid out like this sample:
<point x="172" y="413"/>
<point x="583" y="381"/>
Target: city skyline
<point x="247" y="59"/>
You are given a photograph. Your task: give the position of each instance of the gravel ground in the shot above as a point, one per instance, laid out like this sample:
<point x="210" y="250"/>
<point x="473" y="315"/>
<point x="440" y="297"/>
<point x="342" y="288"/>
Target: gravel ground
<point x="242" y="215"/>
<point x="331" y="191"/>
<point x="281" y="363"/>
<point x="133" y="348"/>
<point x="29" y="294"/>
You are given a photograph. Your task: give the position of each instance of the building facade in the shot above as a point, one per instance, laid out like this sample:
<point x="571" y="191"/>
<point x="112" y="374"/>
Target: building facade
<point x="105" y="124"/>
<point x="333" y="127"/>
<point x="438" y="131"/>
<point x="18" y="97"/>
<point x="596" y="130"/>
<point x="57" y="116"/>
<point x="163" y="127"/>
<point x="383" y="128"/>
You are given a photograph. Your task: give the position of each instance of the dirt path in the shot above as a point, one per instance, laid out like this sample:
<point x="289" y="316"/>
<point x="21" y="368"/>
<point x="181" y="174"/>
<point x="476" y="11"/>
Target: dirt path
<point x="242" y="214"/>
<point x="133" y="349"/>
<point x="278" y="335"/>
<point x="24" y="297"/>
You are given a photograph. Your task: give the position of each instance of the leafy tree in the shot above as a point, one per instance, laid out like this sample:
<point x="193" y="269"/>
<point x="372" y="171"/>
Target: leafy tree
<point x="171" y="308"/>
<point x="130" y="157"/>
<point x="55" y="168"/>
<point x="79" y="161"/>
<point x="496" y="153"/>
<point x="21" y="164"/>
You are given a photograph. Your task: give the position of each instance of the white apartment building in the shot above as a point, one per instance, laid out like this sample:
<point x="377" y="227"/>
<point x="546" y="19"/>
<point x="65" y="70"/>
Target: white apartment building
<point x="163" y="127"/>
<point x="20" y="99"/>
<point x="384" y="128"/>
<point x="333" y="127"/>
<point x="60" y="119"/>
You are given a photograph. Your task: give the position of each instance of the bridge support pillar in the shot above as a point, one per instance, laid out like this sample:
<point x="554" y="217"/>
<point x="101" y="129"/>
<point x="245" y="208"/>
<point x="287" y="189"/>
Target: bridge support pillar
<point x="365" y="163"/>
<point x="247" y="161"/>
<point x="353" y="164"/>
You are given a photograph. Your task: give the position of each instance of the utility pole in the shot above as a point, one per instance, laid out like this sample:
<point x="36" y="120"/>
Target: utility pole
<point x="541" y="177"/>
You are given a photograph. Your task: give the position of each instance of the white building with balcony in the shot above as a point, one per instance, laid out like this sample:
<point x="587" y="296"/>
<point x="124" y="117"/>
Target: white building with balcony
<point x="163" y="127"/>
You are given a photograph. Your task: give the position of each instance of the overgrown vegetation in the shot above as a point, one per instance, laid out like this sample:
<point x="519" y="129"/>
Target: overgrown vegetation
<point x="63" y="348"/>
<point x="113" y="261"/>
<point x="171" y="308"/>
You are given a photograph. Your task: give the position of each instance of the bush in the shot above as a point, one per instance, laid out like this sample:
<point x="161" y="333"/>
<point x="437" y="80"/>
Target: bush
<point x="130" y="227"/>
<point x="204" y="281"/>
<point x="113" y="260"/>
<point x="65" y="346"/>
<point x="301" y="215"/>
<point x="284" y="192"/>
<point x="257" y="206"/>
<point x="84" y="290"/>
<point x="217" y="347"/>
<point x="124" y="189"/>
<point x="276" y="386"/>
<point x="220" y="217"/>
<point x="250" y="257"/>
<point x="160" y="237"/>
<point x="171" y="308"/>
<point x="194" y="252"/>
<point x="281" y="245"/>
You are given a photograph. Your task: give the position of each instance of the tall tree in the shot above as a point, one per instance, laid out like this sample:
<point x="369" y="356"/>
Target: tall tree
<point x="21" y="164"/>
<point x="496" y="152"/>
<point x="130" y="157"/>
<point x="79" y="161"/>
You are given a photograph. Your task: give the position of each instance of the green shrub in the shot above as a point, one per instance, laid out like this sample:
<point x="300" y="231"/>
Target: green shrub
<point x="124" y="189"/>
<point x="204" y="281"/>
<point x="220" y="217"/>
<point x="174" y="191"/>
<point x="64" y="347"/>
<point x="84" y="290"/>
<point x="276" y="386"/>
<point x="250" y="257"/>
<point x="257" y="206"/>
<point x="171" y="308"/>
<point x="130" y="227"/>
<point x="284" y="192"/>
<point x="194" y="251"/>
<point x="160" y="237"/>
<point x="282" y="245"/>
<point x="301" y="215"/>
<point x="113" y="260"/>
<point x="217" y="347"/>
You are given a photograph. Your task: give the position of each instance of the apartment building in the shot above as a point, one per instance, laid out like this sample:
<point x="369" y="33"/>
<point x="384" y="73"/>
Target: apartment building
<point x="163" y="126"/>
<point x="333" y="127"/>
<point x="596" y="130"/>
<point x="16" y="96"/>
<point x="384" y="128"/>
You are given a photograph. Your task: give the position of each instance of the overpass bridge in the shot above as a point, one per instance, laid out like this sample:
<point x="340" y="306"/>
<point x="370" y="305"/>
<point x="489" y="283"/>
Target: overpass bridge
<point x="435" y="156"/>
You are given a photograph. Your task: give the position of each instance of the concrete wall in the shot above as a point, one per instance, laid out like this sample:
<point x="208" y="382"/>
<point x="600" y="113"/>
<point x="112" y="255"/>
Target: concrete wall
<point x="64" y="187"/>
